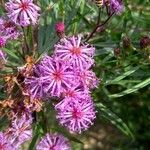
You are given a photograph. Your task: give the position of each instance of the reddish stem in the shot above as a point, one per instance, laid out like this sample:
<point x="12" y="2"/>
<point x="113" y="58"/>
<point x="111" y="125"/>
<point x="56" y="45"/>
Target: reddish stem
<point x="97" y="26"/>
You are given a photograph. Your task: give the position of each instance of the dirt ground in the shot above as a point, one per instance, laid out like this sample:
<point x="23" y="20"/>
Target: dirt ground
<point x="103" y="137"/>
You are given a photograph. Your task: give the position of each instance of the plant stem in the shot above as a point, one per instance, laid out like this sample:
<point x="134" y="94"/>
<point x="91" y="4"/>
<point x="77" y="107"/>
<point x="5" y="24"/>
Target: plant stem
<point x="98" y="25"/>
<point x="34" y="44"/>
<point x="2" y="3"/>
<point x="25" y="40"/>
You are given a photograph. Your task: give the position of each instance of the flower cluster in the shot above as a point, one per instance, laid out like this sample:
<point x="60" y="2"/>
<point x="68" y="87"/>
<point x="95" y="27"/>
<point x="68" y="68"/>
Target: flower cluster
<point x="19" y="13"/>
<point x="67" y="75"/>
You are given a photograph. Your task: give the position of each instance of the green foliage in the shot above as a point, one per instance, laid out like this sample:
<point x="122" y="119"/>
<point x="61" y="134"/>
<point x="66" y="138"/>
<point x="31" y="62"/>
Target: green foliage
<point x="123" y="95"/>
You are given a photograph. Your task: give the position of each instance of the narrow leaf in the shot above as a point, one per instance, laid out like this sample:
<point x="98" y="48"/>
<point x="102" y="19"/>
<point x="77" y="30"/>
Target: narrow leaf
<point x="11" y="53"/>
<point x="131" y="90"/>
<point x="114" y="81"/>
<point x="113" y="118"/>
<point x="32" y="144"/>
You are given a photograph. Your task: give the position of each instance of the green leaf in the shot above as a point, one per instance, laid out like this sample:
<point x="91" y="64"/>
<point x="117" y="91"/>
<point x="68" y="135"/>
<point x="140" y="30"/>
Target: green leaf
<point x="3" y="123"/>
<point x="37" y="133"/>
<point x="32" y="144"/>
<point x="72" y="13"/>
<point x="11" y="53"/>
<point x="2" y="95"/>
<point x="74" y="139"/>
<point x="67" y="134"/>
<point x="113" y="118"/>
<point x="114" y="81"/>
<point x="131" y="90"/>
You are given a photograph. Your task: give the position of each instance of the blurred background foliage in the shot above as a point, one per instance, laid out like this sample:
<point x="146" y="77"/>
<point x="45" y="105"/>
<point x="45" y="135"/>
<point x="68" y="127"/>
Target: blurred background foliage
<point x="122" y="99"/>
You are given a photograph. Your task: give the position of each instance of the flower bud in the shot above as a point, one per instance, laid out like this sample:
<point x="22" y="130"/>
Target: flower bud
<point x="145" y="42"/>
<point x="60" y="29"/>
<point x="126" y="42"/>
<point x="117" y="51"/>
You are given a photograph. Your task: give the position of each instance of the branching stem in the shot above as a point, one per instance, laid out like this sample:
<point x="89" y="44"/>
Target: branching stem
<point x="98" y="25"/>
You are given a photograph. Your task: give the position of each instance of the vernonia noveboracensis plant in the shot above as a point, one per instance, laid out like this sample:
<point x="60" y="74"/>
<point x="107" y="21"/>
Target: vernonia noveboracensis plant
<point x="48" y="83"/>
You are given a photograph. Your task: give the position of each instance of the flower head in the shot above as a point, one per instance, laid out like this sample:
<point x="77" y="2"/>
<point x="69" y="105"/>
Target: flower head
<point x="87" y="79"/>
<point x="34" y="82"/>
<point x="35" y="87"/>
<point x="8" y="29"/>
<point x="53" y="142"/>
<point x="77" y="53"/>
<point x="75" y="92"/>
<point x="5" y="143"/>
<point x="56" y="75"/>
<point x="116" y="6"/>
<point x="126" y="42"/>
<point x="22" y="12"/>
<point x="20" y="130"/>
<point x="144" y="42"/>
<point x="78" y="114"/>
<point x="60" y="27"/>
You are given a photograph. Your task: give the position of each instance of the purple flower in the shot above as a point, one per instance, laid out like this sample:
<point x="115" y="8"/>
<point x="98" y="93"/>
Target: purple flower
<point x="75" y="92"/>
<point x="5" y="143"/>
<point x="8" y="29"/>
<point x="87" y="78"/>
<point x="35" y="87"/>
<point x="22" y="12"/>
<point x="56" y="75"/>
<point x="53" y="142"/>
<point x="116" y="6"/>
<point x="77" y="53"/>
<point x="78" y="114"/>
<point x="2" y="41"/>
<point x="60" y="29"/>
<point x="20" y="130"/>
<point x="34" y="84"/>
